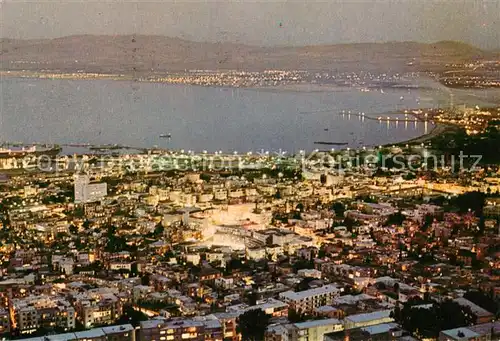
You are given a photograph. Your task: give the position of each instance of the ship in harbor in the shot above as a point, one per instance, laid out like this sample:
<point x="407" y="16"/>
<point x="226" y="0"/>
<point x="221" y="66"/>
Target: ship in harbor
<point x="331" y="143"/>
<point x="105" y="147"/>
<point x="165" y="136"/>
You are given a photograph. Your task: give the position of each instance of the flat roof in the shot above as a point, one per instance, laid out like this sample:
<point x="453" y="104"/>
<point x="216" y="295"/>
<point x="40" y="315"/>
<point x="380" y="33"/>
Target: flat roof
<point x="91" y="333"/>
<point x="462" y="333"/>
<point x="148" y="324"/>
<point x="97" y="332"/>
<point x="325" y="309"/>
<point x="118" y="329"/>
<point x="380" y="328"/>
<point x="474" y="307"/>
<point x="62" y="337"/>
<point x="485" y="328"/>
<point x="369" y="316"/>
<point x="316" y="323"/>
<point x="351" y="299"/>
<point x="308" y="293"/>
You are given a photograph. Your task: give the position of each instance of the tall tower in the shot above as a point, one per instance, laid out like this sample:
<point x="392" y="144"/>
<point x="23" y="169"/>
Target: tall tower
<point x="80" y="187"/>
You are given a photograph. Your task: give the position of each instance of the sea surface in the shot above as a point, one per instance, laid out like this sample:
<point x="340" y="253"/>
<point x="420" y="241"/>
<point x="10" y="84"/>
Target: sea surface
<point x="205" y="118"/>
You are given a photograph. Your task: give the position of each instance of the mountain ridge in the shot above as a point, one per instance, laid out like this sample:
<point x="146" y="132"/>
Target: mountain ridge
<point x="161" y="54"/>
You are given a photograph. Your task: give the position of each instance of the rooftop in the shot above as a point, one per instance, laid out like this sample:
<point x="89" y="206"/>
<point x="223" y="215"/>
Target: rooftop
<point x="317" y="323"/>
<point x="369" y="316"/>
<point x="380" y="328"/>
<point x="291" y="295"/>
<point x="462" y="333"/>
<point x="474" y="307"/>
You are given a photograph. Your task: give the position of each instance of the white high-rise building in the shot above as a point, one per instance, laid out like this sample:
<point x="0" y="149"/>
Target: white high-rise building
<point x="85" y="191"/>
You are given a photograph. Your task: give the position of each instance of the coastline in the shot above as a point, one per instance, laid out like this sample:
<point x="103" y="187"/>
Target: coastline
<point x="439" y="128"/>
<point x="302" y="86"/>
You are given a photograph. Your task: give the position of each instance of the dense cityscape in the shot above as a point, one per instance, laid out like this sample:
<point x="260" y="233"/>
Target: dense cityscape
<point x="374" y="244"/>
<point x="250" y="171"/>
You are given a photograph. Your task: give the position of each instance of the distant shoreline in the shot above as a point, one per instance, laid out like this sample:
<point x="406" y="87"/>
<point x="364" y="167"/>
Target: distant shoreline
<point x="298" y="87"/>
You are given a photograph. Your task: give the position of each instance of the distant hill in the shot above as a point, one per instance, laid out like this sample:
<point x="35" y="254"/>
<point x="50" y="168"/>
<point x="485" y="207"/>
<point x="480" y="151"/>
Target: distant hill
<point x="144" y="54"/>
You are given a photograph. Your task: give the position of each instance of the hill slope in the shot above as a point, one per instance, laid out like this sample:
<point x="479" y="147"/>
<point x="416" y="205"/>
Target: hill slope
<point x="145" y="54"/>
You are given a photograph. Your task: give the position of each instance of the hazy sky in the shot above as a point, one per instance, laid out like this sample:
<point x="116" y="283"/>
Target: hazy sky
<point x="260" y="22"/>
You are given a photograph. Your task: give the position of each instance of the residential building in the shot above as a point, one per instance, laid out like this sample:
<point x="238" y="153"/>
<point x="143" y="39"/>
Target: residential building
<point x="308" y="300"/>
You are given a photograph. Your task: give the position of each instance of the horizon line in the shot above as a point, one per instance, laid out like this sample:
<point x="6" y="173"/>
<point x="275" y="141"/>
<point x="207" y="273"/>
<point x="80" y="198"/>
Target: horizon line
<point x="254" y="45"/>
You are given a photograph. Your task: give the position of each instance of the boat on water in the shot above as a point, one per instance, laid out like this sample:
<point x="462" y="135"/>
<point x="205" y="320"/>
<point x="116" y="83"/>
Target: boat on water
<point x="165" y="136"/>
<point x="106" y="147"/>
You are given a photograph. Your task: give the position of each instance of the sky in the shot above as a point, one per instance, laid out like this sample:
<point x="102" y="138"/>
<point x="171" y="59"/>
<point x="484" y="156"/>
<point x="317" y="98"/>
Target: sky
<point x="269" y="23"/>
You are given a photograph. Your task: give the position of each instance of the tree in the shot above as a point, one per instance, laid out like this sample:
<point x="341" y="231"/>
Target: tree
<point x="132" y="316"/>
<point x="158" y="231"/>
<point x="349" y="223"/>
<point x="61" y="235"/>
<point x="439" y="201"/>
<point x="474" y="201"/>
<point x="304" y="284"/>
<point x="115" y="243"/>
<point x="252" y="298"/>
<point x="205" y="177"/>
<point x="428" y="220"/>
<point x="296" y="317"/>
<point x="145" y="279"/>
<point x="339" y="209"/>
<point x="396" y="288"/>
<point x="323" y="179"/>
<point x="428" y="321"/>
<point x="303" y="263"/>
<point x="395" y="219"/>
<point x="253" y="324"/>
<point x="486" y="301"/>
<point x="86" y="224"/>
<point x="73" y="229"/>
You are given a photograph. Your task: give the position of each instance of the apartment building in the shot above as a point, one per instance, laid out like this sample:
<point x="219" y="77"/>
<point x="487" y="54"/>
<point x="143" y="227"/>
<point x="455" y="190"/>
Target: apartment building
<point x="176" y="330"/>
<point x="95" y="308"/>
<point x="125" y="332"/>
<point x="228" y="322"/>
<point x="35" y="312"/>
<point x="270" y="306"/>
<point x="479" y="332"/>
<point x="305" y="331"/>
<point x="4" y="321"/>
<point x="306" y="301"/>
<point x="85" y="191"/>
<point x="368" y="319"/>
<point x="315" y="330"/>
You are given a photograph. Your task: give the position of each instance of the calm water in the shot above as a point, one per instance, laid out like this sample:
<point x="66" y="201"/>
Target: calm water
<point x="198" y="118"/>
